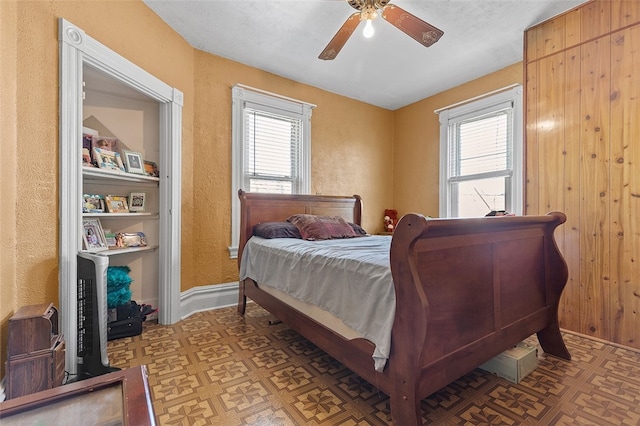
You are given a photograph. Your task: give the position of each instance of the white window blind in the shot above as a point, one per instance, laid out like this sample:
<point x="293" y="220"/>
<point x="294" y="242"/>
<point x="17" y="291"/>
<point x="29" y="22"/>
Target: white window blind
<point x="272" y="154"/>
<point x="480" y="144"/>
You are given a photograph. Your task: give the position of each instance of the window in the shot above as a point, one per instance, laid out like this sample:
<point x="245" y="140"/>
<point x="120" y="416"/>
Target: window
<point x="271" y="148"/>
<point x="481" y="166"/>
<point x="271" y="152"/>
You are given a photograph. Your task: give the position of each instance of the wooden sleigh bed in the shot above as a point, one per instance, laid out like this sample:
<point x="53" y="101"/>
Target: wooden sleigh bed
<point x="466" y="290"/>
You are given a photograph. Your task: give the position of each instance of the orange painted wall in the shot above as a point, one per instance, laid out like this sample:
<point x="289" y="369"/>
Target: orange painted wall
<point x="350" y="150"/>
<point x="8" y="180"/>
<point x="30" y="128"/>
<point x="416" y="141"/>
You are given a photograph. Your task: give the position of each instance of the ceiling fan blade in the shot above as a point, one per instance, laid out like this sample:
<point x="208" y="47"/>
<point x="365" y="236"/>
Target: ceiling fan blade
<point x="341" y="37"/>
<point x="411" y="25"/>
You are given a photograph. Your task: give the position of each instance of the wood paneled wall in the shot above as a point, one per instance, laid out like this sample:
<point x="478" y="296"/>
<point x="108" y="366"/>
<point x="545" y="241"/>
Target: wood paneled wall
<point x="582" y="73"/>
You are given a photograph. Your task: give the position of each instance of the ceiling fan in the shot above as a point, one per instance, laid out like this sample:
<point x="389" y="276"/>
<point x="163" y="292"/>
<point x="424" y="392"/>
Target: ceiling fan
<point x="368" y="10"/>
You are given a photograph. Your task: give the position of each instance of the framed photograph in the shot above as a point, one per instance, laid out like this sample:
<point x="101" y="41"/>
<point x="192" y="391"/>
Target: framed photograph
<point x="93" y="235"/>
<point x="137" y="201"/>
<point x="86" y="158"/>
<point x="133" y="162"/>
<point x="93" y="203"/>
<point x="116" y="204"/>
<point x="151" y="168"/>
<point x="87" y="161"/>
<point x="110" y="238"/>
<point x="108" y="160"/>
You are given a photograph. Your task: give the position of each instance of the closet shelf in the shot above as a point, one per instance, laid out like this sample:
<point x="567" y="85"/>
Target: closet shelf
<point x="117" y="251"/>
<point x="132" y="215"/>
<point x="94" y="175"/>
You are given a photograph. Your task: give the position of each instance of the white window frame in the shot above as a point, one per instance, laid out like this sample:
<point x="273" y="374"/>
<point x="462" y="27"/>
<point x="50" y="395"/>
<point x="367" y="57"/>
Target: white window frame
<point x="512" y="94"/>
<point x="269" y="102"/>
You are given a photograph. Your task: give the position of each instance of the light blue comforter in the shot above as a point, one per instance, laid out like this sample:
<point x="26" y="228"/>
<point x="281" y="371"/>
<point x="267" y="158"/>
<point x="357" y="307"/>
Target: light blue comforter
<point x="351" y="278"/>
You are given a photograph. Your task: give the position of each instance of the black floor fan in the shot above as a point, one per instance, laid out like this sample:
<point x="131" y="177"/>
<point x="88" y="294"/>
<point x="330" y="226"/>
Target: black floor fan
<point x="93" y="359"/>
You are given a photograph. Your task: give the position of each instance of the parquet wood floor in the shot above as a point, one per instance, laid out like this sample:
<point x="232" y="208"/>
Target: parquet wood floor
<point x="219" y="368"/>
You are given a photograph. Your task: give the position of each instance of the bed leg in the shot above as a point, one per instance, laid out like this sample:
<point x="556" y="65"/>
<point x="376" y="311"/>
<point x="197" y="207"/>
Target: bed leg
<point x="405" y="410"/>
<point x="552" y="343"/>
<point x="242" y="299"/>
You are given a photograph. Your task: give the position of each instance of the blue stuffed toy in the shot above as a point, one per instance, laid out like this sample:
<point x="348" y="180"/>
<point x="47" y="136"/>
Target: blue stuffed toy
<point x="118" y="282"/>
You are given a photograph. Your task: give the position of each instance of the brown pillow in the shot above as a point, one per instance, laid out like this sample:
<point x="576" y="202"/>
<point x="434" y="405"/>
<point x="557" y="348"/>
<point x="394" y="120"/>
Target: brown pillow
<point x="276" y="230"/>
<point x="314" y="227"/>
<point x="359" y="230"/>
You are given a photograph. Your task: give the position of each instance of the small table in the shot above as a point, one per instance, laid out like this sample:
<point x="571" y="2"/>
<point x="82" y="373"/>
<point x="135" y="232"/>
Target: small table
<point x="121" y="397"/>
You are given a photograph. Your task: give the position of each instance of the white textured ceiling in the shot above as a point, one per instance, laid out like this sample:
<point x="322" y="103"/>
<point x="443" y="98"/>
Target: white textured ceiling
<point x="390" y="70"/>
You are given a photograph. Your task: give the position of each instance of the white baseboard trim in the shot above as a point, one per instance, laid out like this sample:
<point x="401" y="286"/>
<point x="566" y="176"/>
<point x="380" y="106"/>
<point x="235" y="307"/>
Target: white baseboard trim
<point x="208" y="297"/>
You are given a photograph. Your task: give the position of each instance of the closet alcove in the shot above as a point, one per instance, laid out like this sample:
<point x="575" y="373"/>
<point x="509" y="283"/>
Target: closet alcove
<point x="90" y="70"/>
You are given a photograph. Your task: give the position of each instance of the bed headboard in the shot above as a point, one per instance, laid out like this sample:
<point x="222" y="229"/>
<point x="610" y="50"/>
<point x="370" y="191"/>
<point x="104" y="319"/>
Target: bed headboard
<point x="257" y="208"/>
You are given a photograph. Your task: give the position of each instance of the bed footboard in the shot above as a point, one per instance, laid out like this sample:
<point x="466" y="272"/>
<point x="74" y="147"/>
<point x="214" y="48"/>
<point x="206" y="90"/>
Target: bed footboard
<point x="466" y="290"/>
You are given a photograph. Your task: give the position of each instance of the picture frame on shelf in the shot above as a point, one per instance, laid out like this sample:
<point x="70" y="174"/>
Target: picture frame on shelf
<point x="116" y="204"/>
<point x="108" y="160"/>
<point x="133" y="162"/>
<point x="86" y="158"/>
<point x="110" y="238"/>
<point x="93" y="203"/>
<point x="93" y="235"/>
<point x="87" y="161"/>
<point x="151" y="168"/>
<point x="137" y="202"/>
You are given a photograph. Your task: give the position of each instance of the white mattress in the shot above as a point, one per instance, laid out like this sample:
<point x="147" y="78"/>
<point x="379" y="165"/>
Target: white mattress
<point x="348" y="278"/>
<point x="317" y="314"/>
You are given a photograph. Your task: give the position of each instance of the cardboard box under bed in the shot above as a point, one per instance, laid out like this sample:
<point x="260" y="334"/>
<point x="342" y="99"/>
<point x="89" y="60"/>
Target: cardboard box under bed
<point x="514" y="364"/>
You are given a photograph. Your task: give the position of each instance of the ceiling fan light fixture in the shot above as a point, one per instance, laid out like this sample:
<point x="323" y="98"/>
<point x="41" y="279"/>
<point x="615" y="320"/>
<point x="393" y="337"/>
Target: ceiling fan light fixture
<point x="368" y="29"/>
<point x="367" y="10"/>
<point x="368" y="14"/>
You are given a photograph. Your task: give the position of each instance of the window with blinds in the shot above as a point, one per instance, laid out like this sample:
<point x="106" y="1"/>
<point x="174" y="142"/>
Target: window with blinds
<point x="272" y="154"/>
<point x="271" y="148"/>
<point x="481" y="163"/>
